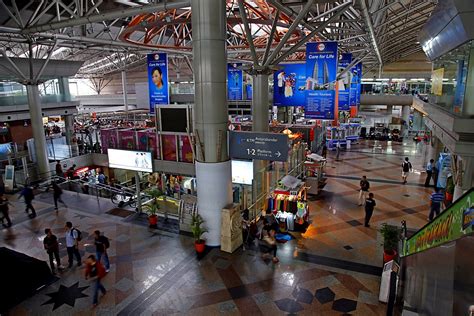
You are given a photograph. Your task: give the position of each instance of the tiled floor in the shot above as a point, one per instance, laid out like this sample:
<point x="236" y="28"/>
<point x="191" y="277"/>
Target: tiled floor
<point x="332" y="269"/>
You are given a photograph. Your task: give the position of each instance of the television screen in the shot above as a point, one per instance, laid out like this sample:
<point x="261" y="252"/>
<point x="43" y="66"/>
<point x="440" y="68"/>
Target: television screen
<point x="174" y="120"/>
<point x="242" y="172"/>
<point x="130" y="160"/>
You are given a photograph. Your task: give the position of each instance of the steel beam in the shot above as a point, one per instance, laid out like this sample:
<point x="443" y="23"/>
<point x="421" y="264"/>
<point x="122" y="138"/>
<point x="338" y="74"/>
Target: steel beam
<point x="370" y="27"/>
<point x="248" y="32"/>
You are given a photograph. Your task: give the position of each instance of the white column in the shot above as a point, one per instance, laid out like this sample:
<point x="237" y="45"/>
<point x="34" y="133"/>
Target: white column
<point x="406" y="119"/>
<point x="36" y="116"/>
<point x="124" y="89"/>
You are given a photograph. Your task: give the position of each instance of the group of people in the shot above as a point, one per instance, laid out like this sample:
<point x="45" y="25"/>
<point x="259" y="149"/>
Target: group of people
<point x="94" y="267"/>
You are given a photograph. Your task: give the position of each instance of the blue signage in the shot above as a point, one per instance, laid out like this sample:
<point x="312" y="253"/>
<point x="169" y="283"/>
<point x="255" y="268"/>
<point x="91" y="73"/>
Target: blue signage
<point x="321" y="70"/>
<point x="344" y="82"/>
<point x="289" y="85"/>
<point x="234" y="82"/>
<point x="158" y="79"/>
<point x="356" y="85"/>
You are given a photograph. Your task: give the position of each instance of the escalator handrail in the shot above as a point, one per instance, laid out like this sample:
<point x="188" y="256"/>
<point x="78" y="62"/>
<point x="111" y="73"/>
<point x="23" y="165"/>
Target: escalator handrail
<point x="434" y="222"/>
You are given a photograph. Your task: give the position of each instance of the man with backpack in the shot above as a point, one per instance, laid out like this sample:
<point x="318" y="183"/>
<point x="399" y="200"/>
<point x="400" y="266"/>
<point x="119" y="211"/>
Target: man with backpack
<point x="28" y="196"/>
<point x="406" y="168"/>
<point x="102" y="243"/>
<point x="73" y="236"/>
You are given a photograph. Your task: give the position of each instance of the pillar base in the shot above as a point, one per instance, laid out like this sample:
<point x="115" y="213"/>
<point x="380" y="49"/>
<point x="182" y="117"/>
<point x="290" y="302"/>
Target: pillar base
<point x="214" y="186"/>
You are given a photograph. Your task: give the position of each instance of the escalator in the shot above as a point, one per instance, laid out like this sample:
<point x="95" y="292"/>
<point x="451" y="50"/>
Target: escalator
<point x="438" y="263"/>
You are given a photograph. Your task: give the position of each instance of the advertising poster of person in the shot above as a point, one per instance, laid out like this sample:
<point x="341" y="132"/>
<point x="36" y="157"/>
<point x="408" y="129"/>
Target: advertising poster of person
<point x="109" y="139"/>
<point x="235" y="81"/>
<point x="127" y="139"/>
<point x="169" y="147"/>
<point x="289" y="85"/>
<point x="147" y="141"/>
<point x="248" y="83"/>
<point x="158" y="80"/>
<point x="356" y="85"/>
<point x="345" y="82"/>
<point x="321" y="71"/>
<point x="130" y="160"/>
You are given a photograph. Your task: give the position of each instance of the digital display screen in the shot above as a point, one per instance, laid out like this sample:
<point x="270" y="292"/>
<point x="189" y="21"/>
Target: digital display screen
<point x="242" y="172"/>
<point x="130" y="160"/>
<point x="174" y="120"/>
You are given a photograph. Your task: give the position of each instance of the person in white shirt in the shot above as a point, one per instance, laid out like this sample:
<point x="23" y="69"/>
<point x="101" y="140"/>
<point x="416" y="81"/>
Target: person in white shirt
<point x="281" y="82"/>
<point x="72" y="244"/>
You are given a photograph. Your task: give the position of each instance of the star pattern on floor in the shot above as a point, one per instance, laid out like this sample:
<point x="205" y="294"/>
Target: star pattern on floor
<point x="66" y="295"/>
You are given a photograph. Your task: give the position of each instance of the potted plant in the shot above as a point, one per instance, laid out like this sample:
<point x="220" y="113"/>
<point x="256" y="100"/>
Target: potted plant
<point x="198" y="230"/>
<point x="391" y="236"/>
<point x="153" y="207"/>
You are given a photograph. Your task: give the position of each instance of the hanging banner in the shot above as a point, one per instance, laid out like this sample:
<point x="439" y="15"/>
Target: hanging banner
<point x="108" y="139"/>
<point x="234" y="82"/>
<point x="127" y="139"/>
<point x="345" y="82"/>
<point x="248" y="82"/>
<point x="356" y="85"/>
<point x="147" y="141"/>
<point x="158" y="79"/>
<point x="455" y="222"/>
<point x="289" y="85"/>
<point x="321" y="69"/>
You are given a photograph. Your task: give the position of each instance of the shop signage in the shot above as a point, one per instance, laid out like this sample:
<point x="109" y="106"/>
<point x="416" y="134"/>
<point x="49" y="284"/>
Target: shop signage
<point x="450" y="225"/>
<point x="345" y="82"/>
<point x="289" y="84"/>
<point x="321" y="70"/>
<point x="158" y="79"/>
<point x="234" y="82"/>
<point x="258" y="146"/>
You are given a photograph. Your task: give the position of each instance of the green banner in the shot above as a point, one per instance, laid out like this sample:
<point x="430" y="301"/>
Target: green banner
<point x="450" y="225"/>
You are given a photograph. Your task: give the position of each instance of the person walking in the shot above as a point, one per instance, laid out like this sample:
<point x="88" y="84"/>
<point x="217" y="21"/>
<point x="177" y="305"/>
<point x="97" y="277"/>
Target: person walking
<point x="5" y="210"/>
<point x="102" y="243"/>
<point x="270" y="242"/>
<point x="57" y="192"/>
<point x="51" y="245"/>
<point x="369" y="208"/>
<point x="364" y="190"/>
<point x="437" y="198"/>
<point x="59" y="169"/>
<point x="72" y="244"/>
<point x="96" y="271"/>
<point x="28" y="196"/>
<point x="429" y="172"/>
<point x="406" y="168"/>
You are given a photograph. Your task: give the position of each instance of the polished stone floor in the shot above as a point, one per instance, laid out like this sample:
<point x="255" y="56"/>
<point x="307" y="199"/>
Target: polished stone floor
<point x="332" y="269"/>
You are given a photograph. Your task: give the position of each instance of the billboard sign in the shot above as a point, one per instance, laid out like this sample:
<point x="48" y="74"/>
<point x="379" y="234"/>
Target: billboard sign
<point x="258" y="146"/>
<point x="130" y="160"/>
<point x="289" y="85"/>
<point x="158" y="79"/>
<point x="344" y="82"/>
<point x="234" y="82"/>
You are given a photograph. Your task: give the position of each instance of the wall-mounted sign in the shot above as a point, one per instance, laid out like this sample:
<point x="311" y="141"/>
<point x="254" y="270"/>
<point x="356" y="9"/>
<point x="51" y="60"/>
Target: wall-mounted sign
<point x="321" y="69"/>
<point x="234" y="82"/>
<point x="290" y="85"/>
<point x="158" y="79"/>
<point x="258" y="146"/>
<point x="130" y="160"/>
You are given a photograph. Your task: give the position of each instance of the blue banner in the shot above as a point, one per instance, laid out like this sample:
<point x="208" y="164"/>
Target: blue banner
<point x="248" y="82"/>
<point x="158" y="79"/>
<point x="321" y="70"/>
<point x="356" y="85"/>
<point x="344" y="82"/>
<point x="235" y="82"/>
<point x="289" y="85"/>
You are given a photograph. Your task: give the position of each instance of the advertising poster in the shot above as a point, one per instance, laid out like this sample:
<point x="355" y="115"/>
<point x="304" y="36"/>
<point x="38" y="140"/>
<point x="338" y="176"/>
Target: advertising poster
<point x="321" y="70"/>
<point x="444" y="169"/>
<point x="460" y="86"/>
<point x="356" y="85"/>
<point x="127" y="139"/>
<point x="235" y="82"/>
<point x="248" y="83"/>
<point x="147" y="141"/>
<point x="158" y="79"/>
<point x="345" y="82"/>
<point x="186" y="150"/>
<point x="289" y="85"/>
<point x="437" y="81"/>
<point x="169" y="147"/>
<point x="130" y="160"/>
<point x="109" y="139"/>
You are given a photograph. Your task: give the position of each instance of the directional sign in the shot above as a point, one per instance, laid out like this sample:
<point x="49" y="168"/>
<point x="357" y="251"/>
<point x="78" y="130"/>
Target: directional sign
<point x="258" y="146"/>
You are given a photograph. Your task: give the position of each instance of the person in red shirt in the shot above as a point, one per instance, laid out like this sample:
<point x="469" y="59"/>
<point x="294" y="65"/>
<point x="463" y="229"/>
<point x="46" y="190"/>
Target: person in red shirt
<point x="95" y="270"/>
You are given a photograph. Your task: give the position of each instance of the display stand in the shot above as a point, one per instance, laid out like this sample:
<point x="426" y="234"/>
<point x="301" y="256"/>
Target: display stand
<point x="315" y="173"/>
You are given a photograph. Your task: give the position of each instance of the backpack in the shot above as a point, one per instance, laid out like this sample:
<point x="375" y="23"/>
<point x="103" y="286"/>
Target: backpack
<point x="106" y="242"/>
<point x="79" y="234"/>
<point x="406" y="166"/>
<point x="28" y="193"/>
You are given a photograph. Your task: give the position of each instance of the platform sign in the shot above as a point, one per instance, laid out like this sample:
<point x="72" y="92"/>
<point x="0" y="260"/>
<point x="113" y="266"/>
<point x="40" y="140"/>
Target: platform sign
<point x="321" y="71"/>
<point x="258" y="146"/>
<point x="158" y="79"/>
<point x="235" y="82"/>
<point x="344" y="82"/>
<point x="289" y="85"/>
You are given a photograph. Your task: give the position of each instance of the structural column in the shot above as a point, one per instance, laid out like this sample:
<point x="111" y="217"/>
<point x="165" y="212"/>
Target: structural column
<point x="63" y="83"/>
<point x="213" y="167"/>
<point x="389" y="109"/>
<point x="36" y="117"/>
<point x="406" y="119"/>
<point x="124" y="91"/>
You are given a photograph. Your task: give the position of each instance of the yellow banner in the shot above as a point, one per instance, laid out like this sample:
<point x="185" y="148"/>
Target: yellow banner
<point x="437" y="81"/>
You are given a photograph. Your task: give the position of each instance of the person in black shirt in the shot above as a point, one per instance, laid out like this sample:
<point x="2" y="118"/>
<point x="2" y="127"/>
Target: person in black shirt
<point x="28" y="196"/>
<point x="364" y="190"/>
<point x="369" y="208"/>
<point x="57" y="192"/>
<point x="101" y="245"/>
<point x="52" y="248"/>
